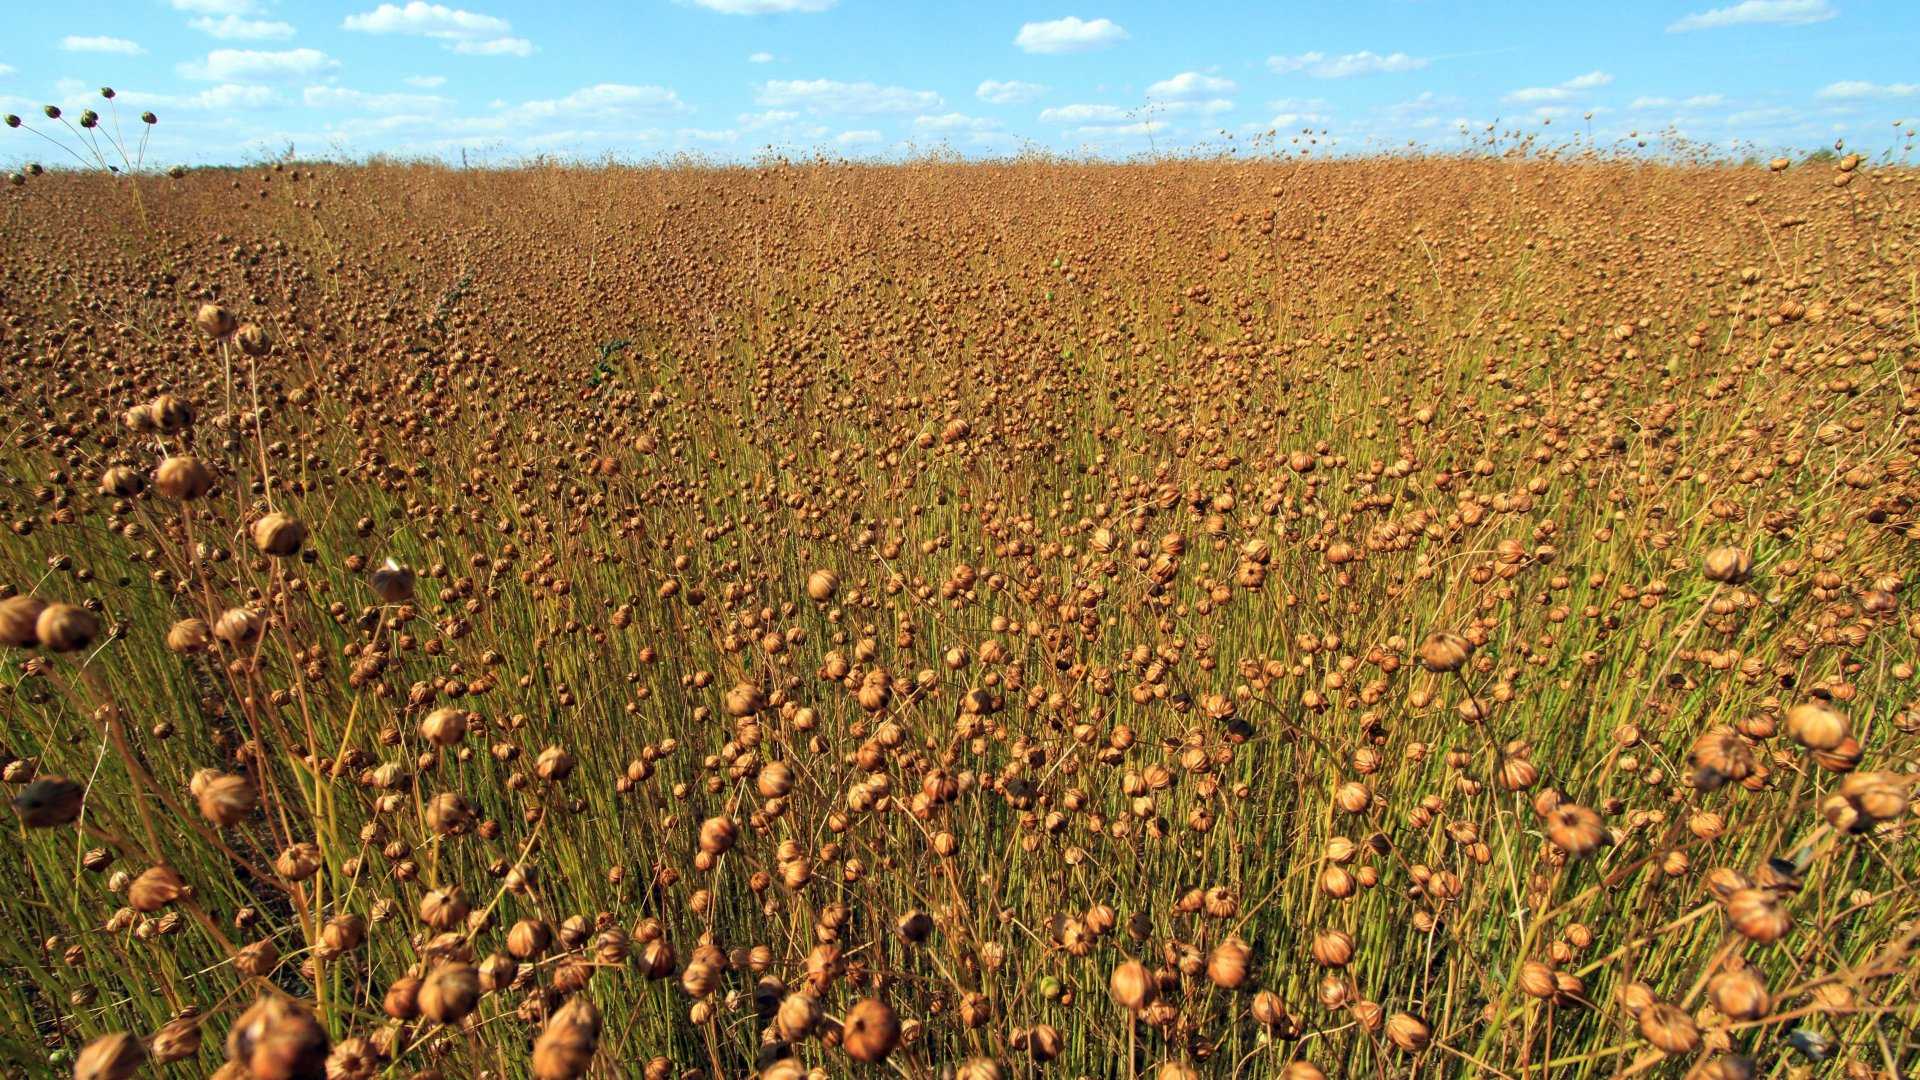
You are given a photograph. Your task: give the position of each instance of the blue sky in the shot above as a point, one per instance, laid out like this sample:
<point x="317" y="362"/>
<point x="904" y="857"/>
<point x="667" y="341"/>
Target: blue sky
<point x="240" y="80"/>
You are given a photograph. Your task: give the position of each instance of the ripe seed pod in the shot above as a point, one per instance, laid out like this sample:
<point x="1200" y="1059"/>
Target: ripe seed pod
<point x="566" y="1046"/>
<point x="1132" y="986"/>
<point x="717" y="835"/>
<point x="177" y="1041"/>
<point x="155" y="888"/>
<point x="528" y="939"/>
<point x="1728" y="565"/>
<point x="279" y="535"/>
<point x="1669" y="1029"/>
<point x="1817" y="725"/>
<point x="745" y="699"/>
<point x="110" y="1057"/>
<point x="19" y="616"/>
<point x="1332" y="948"/>
<point x="225" y="800"/>
<point x="449" y="993"/>
<point x="821" y="585"/>
<point x="402" y="999"/>
<point x="66" y="628"/>
<point x="253" y="340"/>
<point x="239" y="627"/>
<point x="981" y="1069"/>
<point x="1757" y="914"/>
<point x="775" y="780"/>
<point x="444" y="727"/>
<point x="189" y="636"/>
<point x="1445" y="651"/>
<point x="122" y="482"/>
<point x="798" y="1016"/>
<point x="49" y="802"/>
<point x="215" y="321"/>
<point x="392" y="583"/>
<point x="278" y="1039"/>
<point x="869" y="1031"/>
<point x="182" y="478"/>
<point x="1228" y="964"/>
<point x="554" y="764"/>
<point x="1575" y="829"/>
<point x="1741" y="994"/>
<point x="1408" y="1032"/>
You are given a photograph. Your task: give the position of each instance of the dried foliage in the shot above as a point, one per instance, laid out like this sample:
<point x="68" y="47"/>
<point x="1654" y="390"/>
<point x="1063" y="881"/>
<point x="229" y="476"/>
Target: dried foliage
<point x="1437" y="616"/>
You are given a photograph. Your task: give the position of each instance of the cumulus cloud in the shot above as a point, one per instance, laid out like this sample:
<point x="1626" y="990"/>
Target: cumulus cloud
<point x="5" y="70"/>
<point x="333" y="97"/>
<point x="1566" y="91"/>
<point x="1069" y="35"/>
<point x="239" y="28"/>
<point x="1757" y="13"/>
<point x="600" y="101"/>
<point x="864" y="137"/>
<point x="100" y="44"/>
<point x="462" y="31"/>
<point x="1189" y="85"/>
<point x="1855" y="88"/>
<point x="954" y="121"/>
<point x="828" y="96"/>
<point x="1346" y="66"/>
<point x="251" y="65"/>
<point x="760" y="58"/>
<point x="1139" y="129"/>
<point x="216" y="7"/>
<point x="1012" y="92"/>
<point x="500" y="46"/>
<point x="426" y="82"/>
<point x="1697" y="101"/>
<point x="765" y="7"/>
<point x="225" y="97"/>
<point x="1081" y="114"/>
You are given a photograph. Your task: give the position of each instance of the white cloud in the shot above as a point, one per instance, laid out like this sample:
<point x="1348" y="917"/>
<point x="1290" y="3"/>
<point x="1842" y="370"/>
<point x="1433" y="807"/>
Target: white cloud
<point x="502" y="46"/>
<point x="79" y="43"/>
<point x="760" y="58"/>
<point x="5" y="70"/>
<point x="249" y="65"/>
<point x="236" y="28"/>
<point x="222" y="98"/>
<point x="1012" y="92"/>
<point x="1189" y="85"/>
<point x="954" y="121"/>
<point x="828" y="96"/>
<point x="1855" y="88"/>
<point x="468" y="32"/>
<point x="702" y="135"/>
<point x="215" y="7"/>
<point x="599" y="101"/>
<point x="863" y="137"/>
<point x="765" y="7"/>
<point x="427" y="20"/>
<point x="1365" y="62"/>
<point x="1109" y="131"/>
<point x="1069" y="35"/>
<point x="333" y="97"/>
<point x="1697" y="101"/>
<point x="1565" y="91"/>
<point x="771" y="118"/>
<point x="426" y="82"/>
<point x="1757" y="13"/>
<point x="1081" y="114"/>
